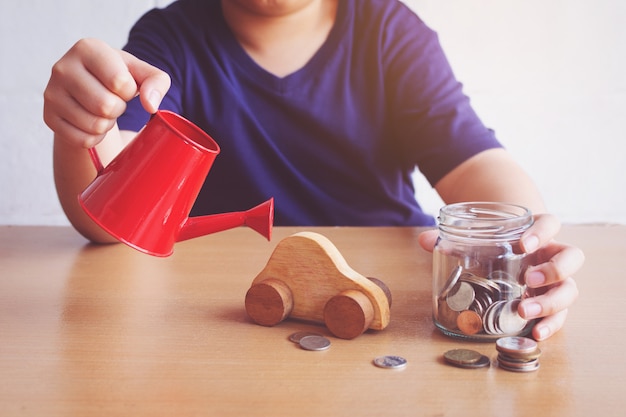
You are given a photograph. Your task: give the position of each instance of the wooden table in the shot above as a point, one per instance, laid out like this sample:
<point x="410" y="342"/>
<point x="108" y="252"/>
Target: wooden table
<point x="104" y="330"/>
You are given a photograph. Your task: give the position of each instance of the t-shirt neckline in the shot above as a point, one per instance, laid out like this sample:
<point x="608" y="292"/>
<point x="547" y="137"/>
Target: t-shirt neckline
<point x="261" y="76"/>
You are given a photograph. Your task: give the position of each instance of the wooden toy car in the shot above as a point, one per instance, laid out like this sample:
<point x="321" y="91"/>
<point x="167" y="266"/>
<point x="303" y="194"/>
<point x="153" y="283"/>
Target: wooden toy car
<point x="307" y="278"/>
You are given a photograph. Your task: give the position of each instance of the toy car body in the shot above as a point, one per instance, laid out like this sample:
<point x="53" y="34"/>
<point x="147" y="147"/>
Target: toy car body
<point x="307" y="278"/>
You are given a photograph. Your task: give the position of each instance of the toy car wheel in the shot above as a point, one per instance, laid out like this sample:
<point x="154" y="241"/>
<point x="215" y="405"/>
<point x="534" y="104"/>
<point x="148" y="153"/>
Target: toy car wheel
<point x="348" y="314"/>
<point x="269" y="302"/>
<point x="383" y="287"/>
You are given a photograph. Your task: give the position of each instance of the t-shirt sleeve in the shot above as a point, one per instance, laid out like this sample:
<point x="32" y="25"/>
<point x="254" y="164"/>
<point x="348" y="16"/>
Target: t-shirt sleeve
<point x="435" y="124"/>
<point x="152" y="41"/>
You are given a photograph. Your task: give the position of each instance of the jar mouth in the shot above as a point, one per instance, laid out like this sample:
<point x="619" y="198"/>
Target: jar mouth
<point x="485" y="219"/>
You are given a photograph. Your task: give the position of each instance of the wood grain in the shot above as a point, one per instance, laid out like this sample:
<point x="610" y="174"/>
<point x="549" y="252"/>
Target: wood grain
<point x="95" y="331"/>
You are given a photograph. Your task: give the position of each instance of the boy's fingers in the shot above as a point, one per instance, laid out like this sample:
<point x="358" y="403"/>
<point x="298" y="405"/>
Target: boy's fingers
<point x="153" y="83"/>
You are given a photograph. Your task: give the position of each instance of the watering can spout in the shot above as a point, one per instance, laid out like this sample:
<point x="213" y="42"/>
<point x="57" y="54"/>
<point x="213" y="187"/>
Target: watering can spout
<point x="259" y="219"/>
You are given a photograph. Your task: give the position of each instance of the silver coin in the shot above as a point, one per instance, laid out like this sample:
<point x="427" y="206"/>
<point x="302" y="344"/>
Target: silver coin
<point x="509" y="321"/>
<point x="510" y="289"/>
<point x="515" y="344"/>
<point x="530" y="368"/>
<point x="482" y="301"/>
<point x="480" y="282"/>
<point x="521" y="356"/>
<point x="478" y="307"/>
<point x="461" y="296"/>
<point x="390" y="362"/>
<point x="490" y="320"/>
<point x="500" y="275"/>
<point x="314" y="343"/>
<point x="297" y="336"/>
<point x="451" y="282"/>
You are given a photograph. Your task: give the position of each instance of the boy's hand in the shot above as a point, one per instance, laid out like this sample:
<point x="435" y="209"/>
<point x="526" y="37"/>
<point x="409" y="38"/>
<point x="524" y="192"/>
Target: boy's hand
<point x="89" y="87"/>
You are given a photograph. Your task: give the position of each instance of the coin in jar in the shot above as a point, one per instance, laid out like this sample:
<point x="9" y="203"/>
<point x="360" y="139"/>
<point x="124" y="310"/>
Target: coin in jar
<point x="509" y="320"/>
<point x="451" y="282"/>
<point x="314" y="343"/>
<point x="469" y="322"/>
<point x="446" y="316"/>
<point x="491" y="316"/>
<point x="390" y="362"/>
<point x="461" y="296"/>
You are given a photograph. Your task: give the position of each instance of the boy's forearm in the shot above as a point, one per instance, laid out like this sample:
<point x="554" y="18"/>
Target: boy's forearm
<point x="73" y="172"/>
<point x="492" y="175"/>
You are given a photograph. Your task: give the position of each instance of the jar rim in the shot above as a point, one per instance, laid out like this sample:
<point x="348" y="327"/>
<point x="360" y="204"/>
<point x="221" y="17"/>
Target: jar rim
<point x="485" y="219"/>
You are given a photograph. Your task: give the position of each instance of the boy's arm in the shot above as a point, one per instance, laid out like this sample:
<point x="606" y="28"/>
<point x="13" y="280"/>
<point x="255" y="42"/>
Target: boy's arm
<point x="87" y="91"/>
<point x="74" y="171"/>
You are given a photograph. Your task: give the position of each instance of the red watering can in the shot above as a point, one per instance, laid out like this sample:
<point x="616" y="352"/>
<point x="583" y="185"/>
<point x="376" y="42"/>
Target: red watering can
<point x="144" y="196"/>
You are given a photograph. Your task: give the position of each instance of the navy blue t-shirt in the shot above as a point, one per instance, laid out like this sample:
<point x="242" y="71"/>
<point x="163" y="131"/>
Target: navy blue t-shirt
<point x="336" y="142"/>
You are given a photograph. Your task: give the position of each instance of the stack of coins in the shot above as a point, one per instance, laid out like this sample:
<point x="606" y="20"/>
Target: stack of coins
<point x="476" y="305"/>
<point x="518" y="354"/>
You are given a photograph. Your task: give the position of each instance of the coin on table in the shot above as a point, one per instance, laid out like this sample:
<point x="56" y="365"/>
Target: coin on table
<point x="297" y="336"/>
<point x="462" y="356"/>
<point x="516" y="362"/>
<point x="483" y="362"/>
<point x="521" y="356"/>
<point x="530" y="366"/>
<point x="314" y="343"/>
<point x="390" y="362"/>
<point x="466" y="358"/>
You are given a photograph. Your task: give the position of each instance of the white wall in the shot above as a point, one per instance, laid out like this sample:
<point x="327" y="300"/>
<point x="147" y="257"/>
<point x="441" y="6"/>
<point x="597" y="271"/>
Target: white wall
<point x="548" y="76"/>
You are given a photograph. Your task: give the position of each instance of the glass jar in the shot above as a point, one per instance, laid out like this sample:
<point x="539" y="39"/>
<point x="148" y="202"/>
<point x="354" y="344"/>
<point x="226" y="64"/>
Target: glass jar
<point x="478" y="270"/>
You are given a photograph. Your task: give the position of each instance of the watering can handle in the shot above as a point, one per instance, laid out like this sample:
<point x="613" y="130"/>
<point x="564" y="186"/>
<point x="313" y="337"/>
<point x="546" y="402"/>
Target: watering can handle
<point x="96" y="159"/>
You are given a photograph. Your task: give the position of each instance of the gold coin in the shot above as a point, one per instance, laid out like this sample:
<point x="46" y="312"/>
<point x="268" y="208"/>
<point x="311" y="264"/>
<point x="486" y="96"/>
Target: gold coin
<point x="462" y="356"/>
<point x="469" y="322"/>
<point x="514" y="362"/>
<point x="520" y="356"/>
